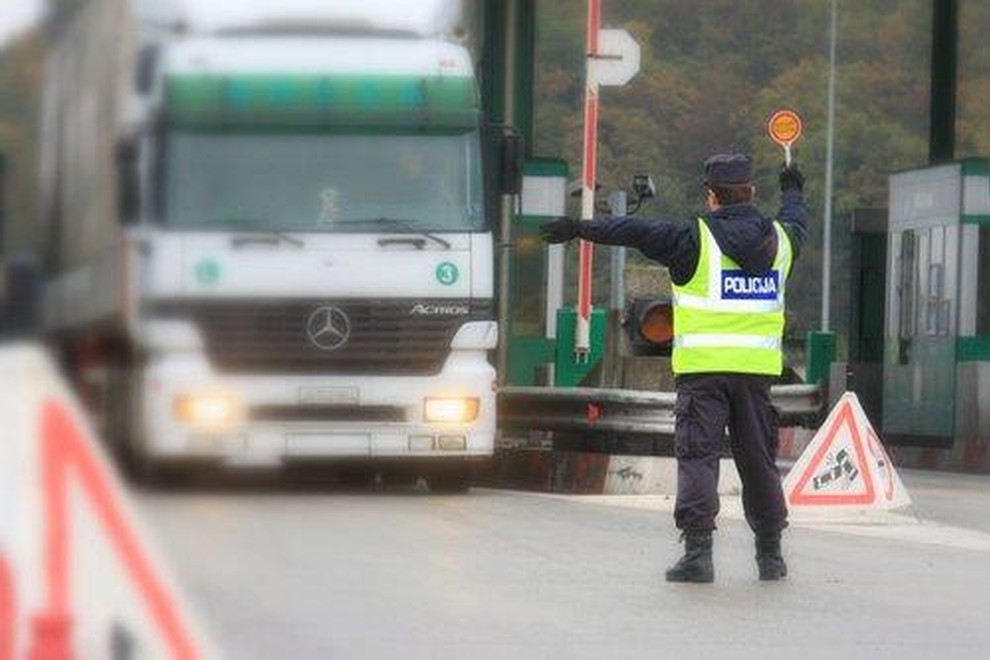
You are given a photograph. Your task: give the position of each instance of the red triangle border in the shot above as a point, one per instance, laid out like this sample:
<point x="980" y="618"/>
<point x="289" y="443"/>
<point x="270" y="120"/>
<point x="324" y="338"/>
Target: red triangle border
<point x="797" y="495"/>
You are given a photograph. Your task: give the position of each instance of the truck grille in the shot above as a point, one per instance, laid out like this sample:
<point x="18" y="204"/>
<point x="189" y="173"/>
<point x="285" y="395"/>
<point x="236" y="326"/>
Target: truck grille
<point x="398" y="337"/>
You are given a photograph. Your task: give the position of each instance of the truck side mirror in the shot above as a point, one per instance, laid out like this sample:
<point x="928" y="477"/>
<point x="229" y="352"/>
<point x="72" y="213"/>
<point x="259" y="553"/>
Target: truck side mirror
<point x="23" y="293"/>
<point x="144" y="75"/>
<point x="128" y="182"/>
<point x="512" y="155"/>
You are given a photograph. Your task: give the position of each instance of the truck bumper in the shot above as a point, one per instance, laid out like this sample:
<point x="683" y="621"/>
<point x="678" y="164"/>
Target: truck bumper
<point x="191" y="412"/>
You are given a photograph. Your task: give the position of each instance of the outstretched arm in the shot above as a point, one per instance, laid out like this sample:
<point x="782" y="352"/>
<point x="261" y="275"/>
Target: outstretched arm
<point x="671" y="243"/>
<point x="793" y="213"/>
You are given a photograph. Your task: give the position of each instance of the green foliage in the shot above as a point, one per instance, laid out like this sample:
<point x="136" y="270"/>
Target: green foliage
<point x="713" y="72"/>
<point x="21" y="64"/>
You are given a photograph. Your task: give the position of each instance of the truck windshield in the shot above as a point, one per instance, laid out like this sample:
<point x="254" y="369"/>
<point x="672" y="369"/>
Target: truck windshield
<point x="324" y="182"/>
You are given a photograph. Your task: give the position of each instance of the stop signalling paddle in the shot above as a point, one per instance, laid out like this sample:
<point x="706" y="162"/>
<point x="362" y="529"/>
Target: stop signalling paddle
<point x="784" y="128"/>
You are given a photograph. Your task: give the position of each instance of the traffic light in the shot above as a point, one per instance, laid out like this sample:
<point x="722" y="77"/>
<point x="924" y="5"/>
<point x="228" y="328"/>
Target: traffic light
<point x="649" y="323"/>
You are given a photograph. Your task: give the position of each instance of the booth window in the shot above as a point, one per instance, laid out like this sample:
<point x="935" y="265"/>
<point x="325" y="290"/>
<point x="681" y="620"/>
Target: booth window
<point x="937" y="306"/>
<point x="907" y="265"/>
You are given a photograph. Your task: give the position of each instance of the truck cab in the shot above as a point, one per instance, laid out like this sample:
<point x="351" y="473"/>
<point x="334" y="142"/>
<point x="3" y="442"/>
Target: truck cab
<point x="307" y="271"/>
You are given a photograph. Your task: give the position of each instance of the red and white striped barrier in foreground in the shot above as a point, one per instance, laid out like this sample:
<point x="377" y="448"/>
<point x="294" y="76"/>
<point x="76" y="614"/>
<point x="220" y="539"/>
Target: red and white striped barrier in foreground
<point x="79" y="577"/>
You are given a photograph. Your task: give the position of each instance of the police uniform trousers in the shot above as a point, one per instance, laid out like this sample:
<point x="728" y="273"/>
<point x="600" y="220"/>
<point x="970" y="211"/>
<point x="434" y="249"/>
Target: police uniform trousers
<point x="706" y="405"/>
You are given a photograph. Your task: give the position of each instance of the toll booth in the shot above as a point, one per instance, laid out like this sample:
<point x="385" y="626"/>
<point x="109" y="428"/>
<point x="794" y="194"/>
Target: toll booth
<point x="536" y="275"/>
<point x="540" y="329"/>
<point x="936" y="368"/>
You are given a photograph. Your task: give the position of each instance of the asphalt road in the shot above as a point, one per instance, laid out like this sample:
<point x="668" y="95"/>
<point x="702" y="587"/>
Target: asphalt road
<point x="326" y="573"/>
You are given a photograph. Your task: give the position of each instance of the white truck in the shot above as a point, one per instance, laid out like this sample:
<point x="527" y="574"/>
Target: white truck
<point x="271" y="239"/>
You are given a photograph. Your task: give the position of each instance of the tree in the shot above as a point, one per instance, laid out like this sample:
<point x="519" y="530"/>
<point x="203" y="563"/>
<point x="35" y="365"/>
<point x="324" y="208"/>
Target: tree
<point x="21" y="64"/>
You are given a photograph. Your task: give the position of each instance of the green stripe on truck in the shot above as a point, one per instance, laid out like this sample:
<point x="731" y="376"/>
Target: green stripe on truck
<point x="213" y="101"/>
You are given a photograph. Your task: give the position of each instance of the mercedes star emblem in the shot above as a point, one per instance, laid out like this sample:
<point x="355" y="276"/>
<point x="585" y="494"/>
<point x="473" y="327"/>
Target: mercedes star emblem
<point x="328" y="328"/>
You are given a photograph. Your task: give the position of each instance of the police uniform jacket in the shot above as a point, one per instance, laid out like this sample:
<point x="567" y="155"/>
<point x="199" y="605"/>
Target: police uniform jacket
<point x="737" y="326"/>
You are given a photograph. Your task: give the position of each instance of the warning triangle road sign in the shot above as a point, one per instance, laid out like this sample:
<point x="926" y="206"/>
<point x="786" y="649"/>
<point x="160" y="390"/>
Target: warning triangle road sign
<point x="836" y="472"/>
<point x="845" y="467"/>
<point x="80" y="575"/>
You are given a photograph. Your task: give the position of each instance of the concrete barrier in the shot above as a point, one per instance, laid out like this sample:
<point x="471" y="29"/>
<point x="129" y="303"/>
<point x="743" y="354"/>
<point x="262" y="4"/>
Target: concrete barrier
<point x="586" y="473"/>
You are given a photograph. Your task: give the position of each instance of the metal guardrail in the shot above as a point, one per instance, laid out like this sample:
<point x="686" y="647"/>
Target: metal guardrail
<point x="630" y="412"/>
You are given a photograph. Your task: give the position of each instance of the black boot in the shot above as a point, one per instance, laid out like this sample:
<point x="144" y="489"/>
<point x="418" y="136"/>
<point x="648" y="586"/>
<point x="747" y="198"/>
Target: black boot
<point x="768" y="558"/>
<point x="696" y="564"/>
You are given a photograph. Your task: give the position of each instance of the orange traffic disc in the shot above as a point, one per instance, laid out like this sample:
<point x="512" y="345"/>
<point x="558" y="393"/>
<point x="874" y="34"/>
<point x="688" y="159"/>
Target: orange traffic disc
<point x="784" y="127"/>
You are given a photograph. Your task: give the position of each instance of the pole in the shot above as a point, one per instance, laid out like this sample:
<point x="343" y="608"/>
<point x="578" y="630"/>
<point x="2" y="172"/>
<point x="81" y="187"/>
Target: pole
<point x="3" y="201"/>
<point x="613" y="367"/>
<point x="617" y="274"/>
<point x="506" y="206"/>
<point x="830" y="149"/>
<point x="942" y="97"/>
<point x="582" y="336"/>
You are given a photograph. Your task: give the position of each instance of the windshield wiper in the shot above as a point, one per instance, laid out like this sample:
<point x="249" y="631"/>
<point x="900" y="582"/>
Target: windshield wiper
<point x="404" y="225"/>
<point x="418" y="242"/>
<point x="274" y="237"/>
<point x="231" y="221"/>
<point x="257" y="236"/>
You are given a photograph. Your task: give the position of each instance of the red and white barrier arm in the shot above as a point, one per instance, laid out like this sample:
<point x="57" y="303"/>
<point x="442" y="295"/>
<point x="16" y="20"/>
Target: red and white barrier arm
<point x="582" y="336"/>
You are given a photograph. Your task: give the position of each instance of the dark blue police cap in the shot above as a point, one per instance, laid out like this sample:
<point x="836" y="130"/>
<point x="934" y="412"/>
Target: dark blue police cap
<point x="729" y="170"/>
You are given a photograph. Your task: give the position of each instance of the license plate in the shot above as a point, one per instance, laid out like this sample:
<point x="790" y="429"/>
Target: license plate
<point x="325" y="396"/>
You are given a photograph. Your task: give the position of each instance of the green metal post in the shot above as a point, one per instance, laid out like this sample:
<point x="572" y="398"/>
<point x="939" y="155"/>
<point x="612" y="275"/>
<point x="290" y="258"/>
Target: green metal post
<point x="820" y="351"/>
<point x="569" y="372"/>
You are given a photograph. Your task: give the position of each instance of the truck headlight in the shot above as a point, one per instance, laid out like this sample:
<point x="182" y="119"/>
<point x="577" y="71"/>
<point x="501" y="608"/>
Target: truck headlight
<point x="209" y="410"/>
<point x="460" y="409"/>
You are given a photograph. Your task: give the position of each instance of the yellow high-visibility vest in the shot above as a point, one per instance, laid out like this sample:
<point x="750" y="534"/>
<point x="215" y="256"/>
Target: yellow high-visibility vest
<point x="726" y="320"/>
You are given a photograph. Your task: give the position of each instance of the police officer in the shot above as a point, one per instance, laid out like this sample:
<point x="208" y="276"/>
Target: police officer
<point x="728" y="270"/>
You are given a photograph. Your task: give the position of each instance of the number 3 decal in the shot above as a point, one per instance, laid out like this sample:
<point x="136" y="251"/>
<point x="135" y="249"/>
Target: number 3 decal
<point x="446" y="273"/>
